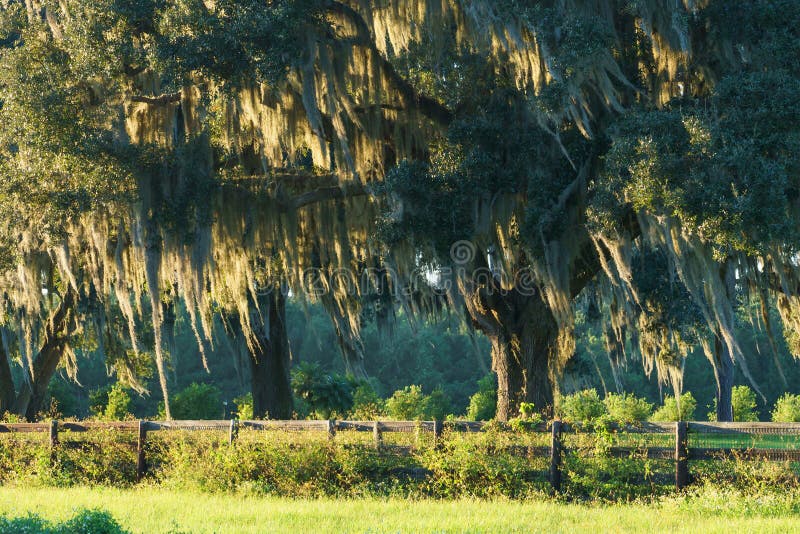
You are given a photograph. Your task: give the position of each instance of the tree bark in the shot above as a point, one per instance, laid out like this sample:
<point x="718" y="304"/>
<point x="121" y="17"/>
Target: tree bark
<point x="723" y="374"/>
<point x="270" y="358"/>
<point x="7" y="389"/>
<point x="48" y="360"/>
<point x="723" y="359"/>
<point x="524" y="336"/>
<point x="521" y="356"/>
<point x="30" y="399"/>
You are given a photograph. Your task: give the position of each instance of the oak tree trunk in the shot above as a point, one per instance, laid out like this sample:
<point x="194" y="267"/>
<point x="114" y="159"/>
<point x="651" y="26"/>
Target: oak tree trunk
<point x="7" y="389"/>
<point x="523" y="348"/>
<point x="29" y="401"/>
<point x="270" y="358"/>
<point x="723" y="359"/>
<point x="723" y="374"/>
<point x="524" y="337"/>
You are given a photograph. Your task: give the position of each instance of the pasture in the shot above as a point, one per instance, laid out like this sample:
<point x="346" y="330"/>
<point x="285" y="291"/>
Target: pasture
<point x="156" y="510"/>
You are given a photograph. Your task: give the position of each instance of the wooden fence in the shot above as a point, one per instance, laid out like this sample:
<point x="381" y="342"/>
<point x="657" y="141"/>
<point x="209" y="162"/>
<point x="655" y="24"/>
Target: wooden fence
<point x="692" y="440"/>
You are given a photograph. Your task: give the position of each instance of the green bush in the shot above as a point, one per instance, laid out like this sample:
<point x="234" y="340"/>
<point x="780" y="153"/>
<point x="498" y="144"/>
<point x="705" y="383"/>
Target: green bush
<point x="119" y="402"/>
<point x="483" y="404"/>
<point x="744" y="404"/>
<point x="627" y="408"/>
<point x="111" y="403"/>
<point x="326" y="395"/>
<point x="367" y="404"/>
<point x="787" y="409"/>
<point x="437" y="405"/>
<point x="527" y="410"/>
<point x="244" y="407"/>
<point x="98" y="400"/>
<point x="84" y="522"/>
<point x="669" y="411"/>
<point x="528" y="418"/>
<point x="407" y="404"/>
<point x="582" y="407"/>
<point x="197" y="401"/>
<point x="410" y="403"/>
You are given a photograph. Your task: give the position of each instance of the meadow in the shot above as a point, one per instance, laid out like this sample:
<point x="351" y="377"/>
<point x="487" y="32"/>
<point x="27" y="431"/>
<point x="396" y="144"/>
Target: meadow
<point x="281" y="481"/>
<point x="156" y="510"/>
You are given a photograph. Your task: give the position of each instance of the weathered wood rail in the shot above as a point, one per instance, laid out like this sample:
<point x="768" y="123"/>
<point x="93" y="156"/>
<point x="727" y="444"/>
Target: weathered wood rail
<point x="680" y="433"/>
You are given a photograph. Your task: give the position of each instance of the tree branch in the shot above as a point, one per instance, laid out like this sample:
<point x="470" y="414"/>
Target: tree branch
<point x="162" y="100"/>
<point x="428" y="106"/>
<point x="320" y="188"/>
<point x="326" y="193"/>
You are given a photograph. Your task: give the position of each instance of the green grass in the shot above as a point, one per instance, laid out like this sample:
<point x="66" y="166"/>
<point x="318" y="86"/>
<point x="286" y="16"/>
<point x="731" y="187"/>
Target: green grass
<point x="156" y="510"/>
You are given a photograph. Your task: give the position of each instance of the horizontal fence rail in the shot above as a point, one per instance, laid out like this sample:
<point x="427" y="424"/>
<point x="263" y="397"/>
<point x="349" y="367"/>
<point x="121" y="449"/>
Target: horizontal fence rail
<point x="690" y="440"/>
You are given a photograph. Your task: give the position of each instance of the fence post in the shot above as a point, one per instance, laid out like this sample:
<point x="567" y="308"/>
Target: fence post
<point x="53" y="442"/>
<point x="376" y="435"/>
<point x="233" y="432"/>
<point x="331" y="429"/>
<point x="681" y="456"/>
<point x="53" y="433"/>
<point x="141" y="466"/>
<point x="555" y="456"/>
<point x="438" y="428"/>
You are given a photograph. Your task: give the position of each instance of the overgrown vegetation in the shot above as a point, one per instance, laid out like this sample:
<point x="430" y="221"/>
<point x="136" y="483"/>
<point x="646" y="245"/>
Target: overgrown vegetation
<point x="84" y="522"/>
<point x="787" y="409"/>
<point x="506" y="461"/>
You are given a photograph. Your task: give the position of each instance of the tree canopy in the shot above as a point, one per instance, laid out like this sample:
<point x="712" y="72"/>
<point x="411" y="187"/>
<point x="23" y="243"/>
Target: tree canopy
<point x="510" y="160"/>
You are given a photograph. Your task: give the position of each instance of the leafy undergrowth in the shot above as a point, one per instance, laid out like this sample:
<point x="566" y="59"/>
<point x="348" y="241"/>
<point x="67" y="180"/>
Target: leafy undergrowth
<point x="84" y="522"/>
<point x="486" y="465"/>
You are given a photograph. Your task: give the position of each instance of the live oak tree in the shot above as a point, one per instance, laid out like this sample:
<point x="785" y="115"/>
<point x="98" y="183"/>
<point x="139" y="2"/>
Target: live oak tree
<point x="214" y="151"/>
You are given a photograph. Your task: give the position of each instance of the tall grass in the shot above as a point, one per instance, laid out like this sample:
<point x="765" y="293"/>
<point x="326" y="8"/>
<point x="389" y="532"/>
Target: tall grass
<point x="155" y="510"/>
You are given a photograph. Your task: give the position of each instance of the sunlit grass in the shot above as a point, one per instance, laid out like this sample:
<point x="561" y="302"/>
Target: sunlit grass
<point x="149" y="509"/>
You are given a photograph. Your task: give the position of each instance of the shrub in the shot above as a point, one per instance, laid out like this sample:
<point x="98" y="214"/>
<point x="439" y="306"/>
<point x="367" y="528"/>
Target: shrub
<point x="669" y="411"/>
<point x="527" y="410"/>
<point x="111" y="403"/>
<point x="407" y="404"/>
<point x="197" y="401"/>
<point x="367" y="404"/>
<point x="744" y="404"/>
<point x="787" y="409"/>
<point x="743" y="401"/>
<point x="582" y="407"/>
<point x="84" y="522"/>
<point x="483" y="404"/>
<point x="244" y="407"/>
<point x="528" y="418"/>
<point x="98" y="400"/>
<point x="91" y="522"/>
<point x="9" y="417"/>
<point x="437" y="405"/>
<point x="410" y="403"/>
<point x="119" y="402"/>
<point x="325" y="394"/>
<point x="627" y="408"/>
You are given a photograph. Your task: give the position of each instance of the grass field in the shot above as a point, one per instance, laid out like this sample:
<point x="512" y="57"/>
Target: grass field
<point x="156" y="510"/>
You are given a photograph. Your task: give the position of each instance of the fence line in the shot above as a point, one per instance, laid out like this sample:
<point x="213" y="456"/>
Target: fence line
<point x="681" y="453"/>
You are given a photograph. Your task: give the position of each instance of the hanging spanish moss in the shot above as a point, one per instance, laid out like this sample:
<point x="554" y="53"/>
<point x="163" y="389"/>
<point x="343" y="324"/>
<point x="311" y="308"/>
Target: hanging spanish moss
<point x="296" y="171"/>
